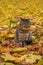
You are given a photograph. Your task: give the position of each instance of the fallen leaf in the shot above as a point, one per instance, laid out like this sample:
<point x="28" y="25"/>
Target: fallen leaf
<point x="19" y="49"/>
<point x="40" y="62"/>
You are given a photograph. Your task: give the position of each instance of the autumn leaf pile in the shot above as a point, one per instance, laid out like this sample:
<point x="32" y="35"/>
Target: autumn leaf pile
<point x="12" y="53"/>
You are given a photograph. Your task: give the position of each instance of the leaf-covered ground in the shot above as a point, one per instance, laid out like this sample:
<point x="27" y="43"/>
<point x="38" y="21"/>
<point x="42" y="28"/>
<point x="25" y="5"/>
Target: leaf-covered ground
<point x="12" y="53"/>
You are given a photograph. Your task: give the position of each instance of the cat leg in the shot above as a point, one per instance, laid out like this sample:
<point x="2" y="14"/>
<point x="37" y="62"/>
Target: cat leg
<point x="29" y="41"/>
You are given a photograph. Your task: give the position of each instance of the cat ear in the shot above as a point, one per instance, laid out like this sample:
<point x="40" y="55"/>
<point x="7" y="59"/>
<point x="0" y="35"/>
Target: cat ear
<point x="21" y="19"/>
<point x="25" y="19"/>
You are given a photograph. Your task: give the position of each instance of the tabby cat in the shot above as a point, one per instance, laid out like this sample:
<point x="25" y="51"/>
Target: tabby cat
<point x="23" y="35"/>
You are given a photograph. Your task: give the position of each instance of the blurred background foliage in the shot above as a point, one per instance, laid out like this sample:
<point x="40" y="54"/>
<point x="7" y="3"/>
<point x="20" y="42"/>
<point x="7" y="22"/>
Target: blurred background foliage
<point x="12" y="8"/>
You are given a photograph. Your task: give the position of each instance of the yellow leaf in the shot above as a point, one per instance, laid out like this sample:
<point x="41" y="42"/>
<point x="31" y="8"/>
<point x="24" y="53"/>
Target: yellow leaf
<point x="33" y="27"/>
<point x="8" y="56"/>
<point x="10" y="35"/>
<point x="19" y="49"/>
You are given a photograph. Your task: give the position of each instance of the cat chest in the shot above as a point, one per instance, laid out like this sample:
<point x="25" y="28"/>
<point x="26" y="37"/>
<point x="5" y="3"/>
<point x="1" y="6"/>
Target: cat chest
<point x="23" y="36"/>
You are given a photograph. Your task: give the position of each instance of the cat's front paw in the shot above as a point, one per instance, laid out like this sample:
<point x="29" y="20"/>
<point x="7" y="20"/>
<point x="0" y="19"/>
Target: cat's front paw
<point x="22" y="44"/>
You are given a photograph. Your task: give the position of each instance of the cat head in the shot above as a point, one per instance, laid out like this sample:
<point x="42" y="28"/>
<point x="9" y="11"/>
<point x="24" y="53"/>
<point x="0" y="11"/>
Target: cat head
<point x="25" y="21"/>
